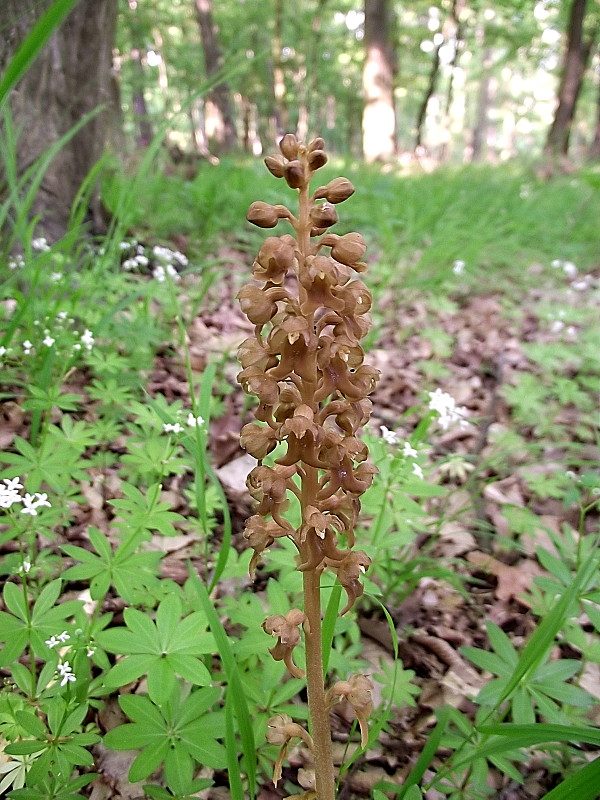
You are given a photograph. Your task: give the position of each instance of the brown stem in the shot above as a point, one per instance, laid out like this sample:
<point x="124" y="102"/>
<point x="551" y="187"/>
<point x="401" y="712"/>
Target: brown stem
<point x="318" y="711"/>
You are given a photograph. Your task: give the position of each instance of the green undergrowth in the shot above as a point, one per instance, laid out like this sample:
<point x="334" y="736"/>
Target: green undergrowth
<point x="123" y="576"/>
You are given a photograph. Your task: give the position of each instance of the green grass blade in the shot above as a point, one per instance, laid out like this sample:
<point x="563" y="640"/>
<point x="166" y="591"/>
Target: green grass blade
<point x="235" y="688"/>
<point x="427" y="754"/>
<point x="328" y="629"/>
<point x="545" y="732"/>
<point x="32" y="44"/>
<point x="236" y="788"/>
<point x="583" y="785"/>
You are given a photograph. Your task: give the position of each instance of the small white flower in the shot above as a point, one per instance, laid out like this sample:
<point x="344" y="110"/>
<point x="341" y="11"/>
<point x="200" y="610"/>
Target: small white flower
<point x="172" y="427"/>
<point x="31" y="502"/>
<point x="580" y="286"/>
<point x="18" y="262"/>
<point x="416" y="469"/>
<point x="40" y="244"/>
<point x="66" y="673"/>
<point x="158" y="273"/>
<point x="458" y="267"/>
<point x="48" y="341"/>
<point x="180" y="258"/>
<point x="193" y="421"/>
<point x="391" y="437"/>
<point x="13" y="484"/>
<point x="87" y="339"/>
<point x="408" y="451"/>
<point x="29" y="505"/>
<point x="9" y="493"/>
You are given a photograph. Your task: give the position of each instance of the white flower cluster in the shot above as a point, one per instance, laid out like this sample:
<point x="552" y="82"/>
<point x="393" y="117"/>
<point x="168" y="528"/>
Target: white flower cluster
<point x="17" y="262"/>
<point x="449" y="413"/>
<point x="58" y="333"/>
<point x="160" y="273"/>
<point x="137" y="257"/>
<point x="9" y="496"/>
<point x="567" y="267"/>
<point x="40" y="244"/>
<point x="408" y="451"/>
<point x="177" y="427"/>
<point x="167" y="260"/>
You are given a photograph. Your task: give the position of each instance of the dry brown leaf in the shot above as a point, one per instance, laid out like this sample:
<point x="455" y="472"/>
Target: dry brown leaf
<point x="512" y="580"/>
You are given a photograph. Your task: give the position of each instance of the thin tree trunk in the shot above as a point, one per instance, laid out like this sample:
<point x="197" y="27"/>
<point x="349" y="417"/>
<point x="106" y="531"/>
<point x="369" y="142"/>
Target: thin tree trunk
<point x="281" y="113"/>
<point x="219" y="109"/>
<point x="432" y="83"/>
<point x="575" y="60"/>
<point x="480" y="129"/>
<point x="594" y="149"/>
<point x="70" y="78"/>
<point x="379" y="115"/>
<point x="308" y="89"/>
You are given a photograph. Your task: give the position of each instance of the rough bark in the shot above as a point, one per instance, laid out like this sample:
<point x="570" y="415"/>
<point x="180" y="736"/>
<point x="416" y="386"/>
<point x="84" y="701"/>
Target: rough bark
<point x="71" y="77"/>
<point x="379" y="116"/>
<point x="218" y="107"/>
<point x="576" y="57"/>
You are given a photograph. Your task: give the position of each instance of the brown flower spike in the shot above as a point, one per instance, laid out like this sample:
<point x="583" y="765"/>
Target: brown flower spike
<point x="305" y="365"/>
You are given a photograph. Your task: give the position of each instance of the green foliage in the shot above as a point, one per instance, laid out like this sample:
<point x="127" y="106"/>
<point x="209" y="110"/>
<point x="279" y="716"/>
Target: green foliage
<point x="176" y="732"/>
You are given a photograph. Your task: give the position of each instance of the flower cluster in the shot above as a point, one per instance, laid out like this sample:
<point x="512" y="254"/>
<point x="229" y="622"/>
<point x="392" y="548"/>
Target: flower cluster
<point x="56" y="332"/>
<point x="306" y="366"/>
<point x="9" y="496"/>
<point x="163" y="262"/>
<point x="449" y="414"/>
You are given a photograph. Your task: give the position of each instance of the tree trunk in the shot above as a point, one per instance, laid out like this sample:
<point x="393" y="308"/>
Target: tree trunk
<point x="594" y="150"/>
<point x="422" y="113"/>
<point x="575" y="60"/>
<point x="71" y="77"/>
<point x="220" y="126"/>
<point x="480" y="128"/>
<point x="379" y="116"/>
<point x="281" y="113"/>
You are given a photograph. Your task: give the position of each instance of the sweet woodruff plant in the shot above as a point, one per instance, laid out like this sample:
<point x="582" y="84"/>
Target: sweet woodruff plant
<point x="306" y="366"/>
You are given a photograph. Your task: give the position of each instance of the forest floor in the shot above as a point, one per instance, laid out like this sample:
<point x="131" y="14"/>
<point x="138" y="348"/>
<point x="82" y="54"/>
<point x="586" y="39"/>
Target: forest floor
<point x="499" y="536"/>
<point x="483" y="342"/>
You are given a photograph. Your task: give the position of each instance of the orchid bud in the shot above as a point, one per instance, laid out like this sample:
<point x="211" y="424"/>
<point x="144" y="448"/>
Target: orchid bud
<point x="289" y="146"/>
<point x="323" y="215"/>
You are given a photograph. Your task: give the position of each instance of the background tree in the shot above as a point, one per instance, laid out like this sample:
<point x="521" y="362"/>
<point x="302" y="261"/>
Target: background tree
<point x="219" y="113"/>
<point x="70" y="78"/>
<point x="379" y="115"/>
<point x="576" y="57"/>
